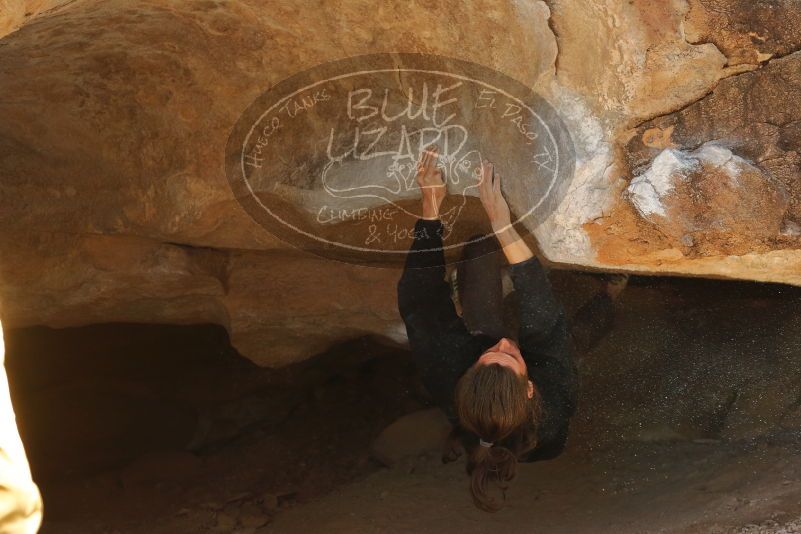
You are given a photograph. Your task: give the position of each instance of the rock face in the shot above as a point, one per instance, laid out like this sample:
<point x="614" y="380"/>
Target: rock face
<point x="414" y="434"/>
<point x="746" y="32"/>
<point x="15" y="13"/>
<point x="697" y="204"/>
<point x="717" y="103"/>
<point x="739" y="202"/>
<point x="114" y="121"/>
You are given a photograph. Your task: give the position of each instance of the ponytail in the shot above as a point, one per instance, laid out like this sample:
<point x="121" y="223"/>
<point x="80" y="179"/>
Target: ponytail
<point x="488" y="467"/>
<point x="492" y="402"/>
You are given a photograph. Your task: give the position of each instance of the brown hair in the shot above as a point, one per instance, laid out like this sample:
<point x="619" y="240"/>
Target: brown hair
<point x="492" y="403"/>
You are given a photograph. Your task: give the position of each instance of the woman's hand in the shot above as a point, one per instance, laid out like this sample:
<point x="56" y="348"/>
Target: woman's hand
<point x="514" y="248"/>
<point x="429" y="178"/>
<point x="495" y="205"/>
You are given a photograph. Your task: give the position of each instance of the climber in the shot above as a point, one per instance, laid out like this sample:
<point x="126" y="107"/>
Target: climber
<point x="510" y="395"/>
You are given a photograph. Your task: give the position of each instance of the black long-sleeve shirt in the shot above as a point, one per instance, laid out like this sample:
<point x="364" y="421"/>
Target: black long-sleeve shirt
<point x="444" y="349"/>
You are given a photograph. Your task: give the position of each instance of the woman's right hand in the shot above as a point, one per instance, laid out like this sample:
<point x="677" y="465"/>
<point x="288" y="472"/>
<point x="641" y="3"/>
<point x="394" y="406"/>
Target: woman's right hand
<point x="429" y="179"/>
<point x="495" y="205"/>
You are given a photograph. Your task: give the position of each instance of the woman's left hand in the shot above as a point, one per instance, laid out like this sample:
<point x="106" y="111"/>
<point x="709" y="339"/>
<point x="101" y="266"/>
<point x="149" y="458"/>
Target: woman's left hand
<point x="495" y="205"/>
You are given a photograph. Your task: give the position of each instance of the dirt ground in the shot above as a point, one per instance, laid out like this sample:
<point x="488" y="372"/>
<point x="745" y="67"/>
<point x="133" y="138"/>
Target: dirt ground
<point x="689" y="421"/>
<point x="686" y="487"/>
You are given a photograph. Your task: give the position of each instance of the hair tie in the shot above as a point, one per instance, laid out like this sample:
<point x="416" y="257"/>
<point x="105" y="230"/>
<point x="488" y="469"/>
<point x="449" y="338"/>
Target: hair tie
<point x="483" y="443"/>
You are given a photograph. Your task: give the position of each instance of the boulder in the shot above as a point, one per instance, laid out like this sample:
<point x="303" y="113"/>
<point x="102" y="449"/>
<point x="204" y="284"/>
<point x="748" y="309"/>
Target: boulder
<point x="414" y="434"/>
<point x="115" y="204"/>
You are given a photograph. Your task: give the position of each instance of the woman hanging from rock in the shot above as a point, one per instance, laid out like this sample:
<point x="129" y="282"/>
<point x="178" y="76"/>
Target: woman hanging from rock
<point x="509" y="394"/>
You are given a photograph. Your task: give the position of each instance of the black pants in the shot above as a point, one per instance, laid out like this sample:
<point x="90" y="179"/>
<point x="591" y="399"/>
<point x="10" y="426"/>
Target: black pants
<point x="485" y="311"/>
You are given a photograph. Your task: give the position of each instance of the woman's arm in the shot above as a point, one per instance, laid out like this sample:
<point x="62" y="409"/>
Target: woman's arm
<point x="514" y="248"/>
<point x="432" y="186"/>
<point x="539" y="308"/>
<point x="423" y="295"/>
<point x="437" y="335"/>
<point x="544" y="332"/>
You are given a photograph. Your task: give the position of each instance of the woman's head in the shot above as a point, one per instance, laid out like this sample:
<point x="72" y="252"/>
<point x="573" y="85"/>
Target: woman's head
<point x="506" y="353"/>
<point x="495" y="400"/>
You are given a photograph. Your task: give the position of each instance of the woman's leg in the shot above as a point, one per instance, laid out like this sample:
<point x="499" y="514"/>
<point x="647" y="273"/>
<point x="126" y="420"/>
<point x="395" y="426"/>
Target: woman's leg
<point x="478" y="276"/>
<point x="596" y="317"/>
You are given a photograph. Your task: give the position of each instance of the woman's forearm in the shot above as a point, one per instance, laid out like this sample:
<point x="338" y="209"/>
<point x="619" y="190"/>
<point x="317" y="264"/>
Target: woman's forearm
<point x="514" y="248"/>
<point x="430" y="205"/>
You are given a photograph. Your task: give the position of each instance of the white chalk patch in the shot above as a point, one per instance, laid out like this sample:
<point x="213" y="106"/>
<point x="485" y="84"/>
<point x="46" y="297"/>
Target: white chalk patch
<point x="561" y="236"/>
<point x="791" y="229"/>
<point x="720" y="156"/>
<point x="648" y="190"/>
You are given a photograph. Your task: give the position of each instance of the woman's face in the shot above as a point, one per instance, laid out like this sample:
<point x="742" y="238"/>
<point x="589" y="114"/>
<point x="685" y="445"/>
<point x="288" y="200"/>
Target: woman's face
<point x="506" y="353"/>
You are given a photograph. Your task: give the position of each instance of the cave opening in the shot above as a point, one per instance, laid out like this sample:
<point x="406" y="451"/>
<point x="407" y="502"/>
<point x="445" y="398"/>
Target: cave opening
<point x="691" y="401"/>
<point x="164" y="415"/>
